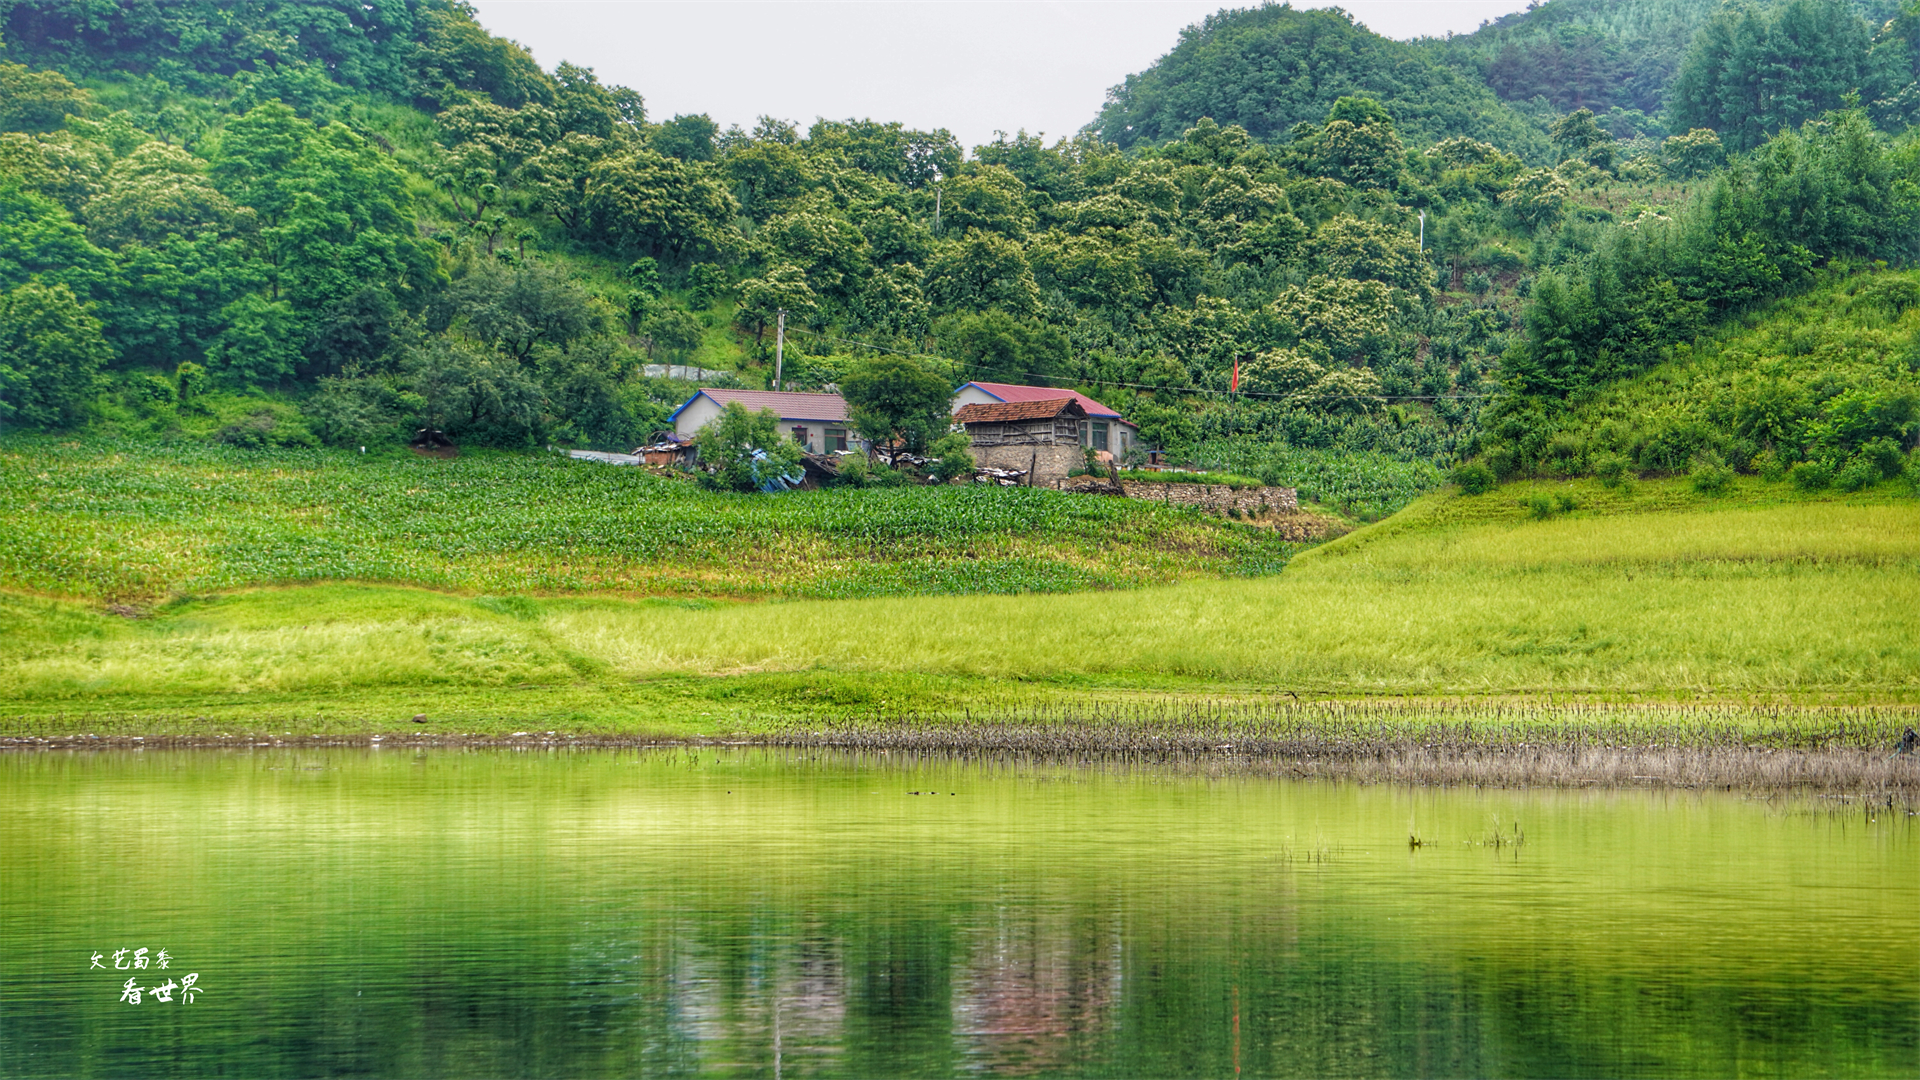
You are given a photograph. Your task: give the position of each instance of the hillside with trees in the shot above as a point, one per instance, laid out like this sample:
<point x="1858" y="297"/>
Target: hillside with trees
<point x="1290" y="247"/>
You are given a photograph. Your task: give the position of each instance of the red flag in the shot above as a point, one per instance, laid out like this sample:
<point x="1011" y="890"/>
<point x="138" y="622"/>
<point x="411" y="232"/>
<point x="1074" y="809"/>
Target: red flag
<point x="1236" y="374"/>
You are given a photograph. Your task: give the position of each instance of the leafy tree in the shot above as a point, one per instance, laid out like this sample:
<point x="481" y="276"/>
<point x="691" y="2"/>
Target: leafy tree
<point x="892" y="302"/>
<point x="672" y="331"/>
<point x="260" y="346"/>
<point x="762" y="298"/>
<point x="557" y="177"/>
<point x="1357" y="145"/>
<point x="767" y="175"/>
<point x="996" y="347"/>
<point x="156" y="192"/>
<point x="1578" y="132"/>
<point x="1280" y="372"/>
<point x="1535" y="198"/>
<point x="585" y="106"/>
<point x="982" y="270"/>
<point x="458" y="55"/>
<point x="254" y="162"/>
<point x="62" y="167"/>
<point x="953" y="456"/>
<point x="354" y="332"/>
<point x="688" y="136"/>
<point x="475" y="393"/>
<point x="37" y="100"/>
<point x="584" y="404"/>
<point x="519" y="309"/>
<point x="39" y="241"/>
<point x="362" y="411"/>
<point x="824" y="245"/>
<point x="899" y="403"/>
<point x="988" y="198"/>
<point x="336" y="213"/>
<point x="745" y="449"/>
<point x="660" y="206"/>
<point x="709" y="283"/>
<point x="1696" y="153"/>
<point x="1348" y="247"/>
<point x="370" y="46"/>
<point x="644" y="274"/>
<point x="51" y="351"/>
<point x="165" y="308"/>
<point x="1339" y="315"/>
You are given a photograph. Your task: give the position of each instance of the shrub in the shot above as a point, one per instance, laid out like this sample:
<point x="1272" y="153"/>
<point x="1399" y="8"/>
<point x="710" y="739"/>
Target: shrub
<point x="1565" y="502"/>
<point x="953" y="457"/>
<point x="1861" y="472"/>
<point x="1710" y="476"/>
<point x="193" y="381"/>
<point x="853" y="471"/>
<point x="1539" y="504"/>
<point x="1884" y="454"/>
<point x="1812" y="475"/>
<point x="1503" y="460"/>
<point x="264" y="431"/>
<point x="1769" y="466"/>
<point x="886" y="476"/>
<point x="1611" y="469"/>
<point x="1473" y="478"/>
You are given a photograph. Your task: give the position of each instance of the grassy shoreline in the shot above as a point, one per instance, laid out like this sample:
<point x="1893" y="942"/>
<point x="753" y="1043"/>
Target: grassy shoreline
<point x="1652" y="595"/>
<point x="1772" y="751"/>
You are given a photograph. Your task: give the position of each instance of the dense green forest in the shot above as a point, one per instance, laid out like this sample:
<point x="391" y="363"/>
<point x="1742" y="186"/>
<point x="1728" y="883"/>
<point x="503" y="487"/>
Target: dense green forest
<point x="295" y="222"/>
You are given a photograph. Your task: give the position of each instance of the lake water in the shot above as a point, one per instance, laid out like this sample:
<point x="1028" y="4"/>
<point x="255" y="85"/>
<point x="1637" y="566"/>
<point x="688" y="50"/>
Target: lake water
<point x="747" y="912"/>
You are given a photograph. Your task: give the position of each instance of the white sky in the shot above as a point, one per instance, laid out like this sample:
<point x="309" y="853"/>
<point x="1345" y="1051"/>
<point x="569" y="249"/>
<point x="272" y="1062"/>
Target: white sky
<point x="971" y="66"/>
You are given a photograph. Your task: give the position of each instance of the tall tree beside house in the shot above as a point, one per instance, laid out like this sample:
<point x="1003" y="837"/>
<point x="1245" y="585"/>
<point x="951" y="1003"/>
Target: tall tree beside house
<point x="898" y="403"/>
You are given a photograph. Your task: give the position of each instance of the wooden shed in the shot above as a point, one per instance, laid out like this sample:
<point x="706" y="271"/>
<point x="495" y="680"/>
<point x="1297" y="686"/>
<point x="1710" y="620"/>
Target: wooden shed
<point x="1042" y="437"/>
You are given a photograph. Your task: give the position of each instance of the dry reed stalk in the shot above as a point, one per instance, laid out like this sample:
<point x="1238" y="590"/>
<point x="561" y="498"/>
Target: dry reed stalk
<point x="1828" y="751"/>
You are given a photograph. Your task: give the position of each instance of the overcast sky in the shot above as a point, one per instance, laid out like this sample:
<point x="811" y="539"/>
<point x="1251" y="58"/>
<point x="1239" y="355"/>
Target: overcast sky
<point x="971" y="66"/>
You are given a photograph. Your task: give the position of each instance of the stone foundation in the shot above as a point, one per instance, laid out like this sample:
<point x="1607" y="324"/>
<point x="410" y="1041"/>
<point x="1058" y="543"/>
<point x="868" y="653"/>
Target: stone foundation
<point x="1212" y="498"/>
<point x="1050" y="463"/>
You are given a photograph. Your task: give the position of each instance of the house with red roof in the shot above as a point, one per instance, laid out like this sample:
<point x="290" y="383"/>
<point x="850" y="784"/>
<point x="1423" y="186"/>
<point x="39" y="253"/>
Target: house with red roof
<point x="819" y="422"/>
<point x="1103" y="428"/>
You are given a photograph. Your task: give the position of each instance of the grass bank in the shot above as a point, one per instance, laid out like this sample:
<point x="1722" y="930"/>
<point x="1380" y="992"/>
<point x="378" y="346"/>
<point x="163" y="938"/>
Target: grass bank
<point x="1762" y="596"/>
<point x="134" y="522"/>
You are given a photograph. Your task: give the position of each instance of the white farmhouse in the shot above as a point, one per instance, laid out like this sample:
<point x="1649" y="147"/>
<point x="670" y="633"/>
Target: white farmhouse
<point x="818" y="422"/>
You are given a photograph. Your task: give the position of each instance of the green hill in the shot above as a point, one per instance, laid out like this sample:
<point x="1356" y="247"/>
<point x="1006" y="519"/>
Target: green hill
<point x="1266" y="69"/>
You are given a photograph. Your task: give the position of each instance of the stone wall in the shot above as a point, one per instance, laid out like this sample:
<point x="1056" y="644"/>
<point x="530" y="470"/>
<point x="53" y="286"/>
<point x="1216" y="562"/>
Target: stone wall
<point x="1216" y="498"/>
<point x="1050" y="463"/>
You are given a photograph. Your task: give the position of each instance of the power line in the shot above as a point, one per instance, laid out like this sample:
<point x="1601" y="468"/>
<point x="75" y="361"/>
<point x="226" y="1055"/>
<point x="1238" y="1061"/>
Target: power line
<point x="963" y="365"/>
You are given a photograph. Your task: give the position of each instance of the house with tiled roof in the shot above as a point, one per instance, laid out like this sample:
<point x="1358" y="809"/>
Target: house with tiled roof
<point x="819" y="422"/>
<point x="1044" y="439"/>
<point x="1103" y="429"/>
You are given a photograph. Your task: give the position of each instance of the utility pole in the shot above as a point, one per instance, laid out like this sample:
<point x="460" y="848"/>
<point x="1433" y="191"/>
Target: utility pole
<point x="936" y="209"/>
<point x="1423" y="232"/>
<point x="779" y="345"/>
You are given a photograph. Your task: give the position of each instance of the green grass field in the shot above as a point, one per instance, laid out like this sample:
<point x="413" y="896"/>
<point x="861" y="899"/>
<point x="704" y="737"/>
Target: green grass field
<point x="1661" y="595"/>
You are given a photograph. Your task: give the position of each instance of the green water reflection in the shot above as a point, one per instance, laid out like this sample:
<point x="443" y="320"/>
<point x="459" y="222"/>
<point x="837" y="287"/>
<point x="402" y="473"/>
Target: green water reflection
<point x="498" y="913"/>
